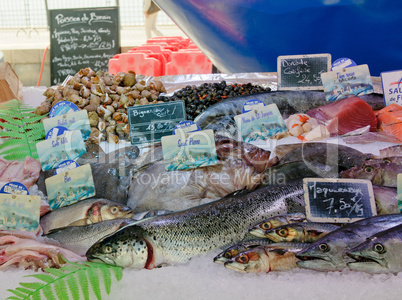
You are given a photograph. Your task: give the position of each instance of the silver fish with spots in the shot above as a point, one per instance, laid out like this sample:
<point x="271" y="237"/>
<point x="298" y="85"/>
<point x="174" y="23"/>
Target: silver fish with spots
<point x="177" y="237"/>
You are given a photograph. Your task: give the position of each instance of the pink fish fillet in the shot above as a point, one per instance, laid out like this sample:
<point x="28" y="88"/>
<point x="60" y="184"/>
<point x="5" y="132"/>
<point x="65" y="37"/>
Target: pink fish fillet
<point x="345" y="115"/>
<point x="26" y="172"/>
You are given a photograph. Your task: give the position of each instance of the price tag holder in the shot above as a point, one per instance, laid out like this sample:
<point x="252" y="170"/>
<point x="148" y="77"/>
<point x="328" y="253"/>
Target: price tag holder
<point x="392" y="87"/>
<point x="149" y="123"/>
<point x="69" y="145"/>
<point x="186" y="126"/>
<point x="342" y="63"/>
<point x="338" y="200"/>
<point x="69" y="187"/>
<point x="252" y="104"/>
<point x="71" y="121"/>
<point x="348" y="82"/>
<point x="192" y="150"/>
<point x="261" y="123"/>
<point x="61" y="108"/>
<point x="19" y="212"/>
<point x="302" y="72"/>
<point x="15" y="188"/>
<point x="399" y="191"/>
<point x="55" y="131"/>
<point x="65" y="166"/>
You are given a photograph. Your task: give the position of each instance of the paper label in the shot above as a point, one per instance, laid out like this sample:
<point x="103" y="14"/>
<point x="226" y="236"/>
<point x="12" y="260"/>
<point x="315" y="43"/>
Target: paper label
<point x="252" y="104"/>
<point x="19" y="212"/>
<point x="399" y="191"/>
<point x="348" y="82"/>
<point x="338" y="200"/>
<point x="342" y="63"/>
<point x="186" y="126"/>
<point x="65" y="166"/>
<point x="61" y="108"/>
<point x="69" y="187"/>
<point x="15" y="188"/>
<point x="185" y="151"/>
<point x="52" y="152"/>
<point x="261" y="123"/>
<point x="72" y="121"/>
<point x="392" y="87"/>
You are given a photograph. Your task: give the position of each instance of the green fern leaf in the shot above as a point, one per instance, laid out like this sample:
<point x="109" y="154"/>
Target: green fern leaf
<point x="36" y="295"/>
<point x="23" y="290"/>
<point x="12" y="127"/>
<point x="13" y="298"/>
<point x="55" y="272"/>
<point x="107" y="279"/>
<point x="61" y="290"/>
<point x="17" y="293"/>
<point x="83" y="280"/>
<point x="32" y="285"/>
<point x="10" y="142"/>
<point x="118" y="273"/>
<point x="94" y="281"/>
<point x="43" y="277"/>
<point x="73" y="287"/>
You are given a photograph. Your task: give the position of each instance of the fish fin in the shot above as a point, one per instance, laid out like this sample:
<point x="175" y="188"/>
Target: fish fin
<point x="78" y="223"/>
<point x="144" y="167"/>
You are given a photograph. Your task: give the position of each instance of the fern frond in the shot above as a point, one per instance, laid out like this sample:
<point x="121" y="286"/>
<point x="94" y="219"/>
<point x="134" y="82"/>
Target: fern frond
<point x="10" y="142"/>
<point x="13" y="127"/>
<point x="72" y="279"/>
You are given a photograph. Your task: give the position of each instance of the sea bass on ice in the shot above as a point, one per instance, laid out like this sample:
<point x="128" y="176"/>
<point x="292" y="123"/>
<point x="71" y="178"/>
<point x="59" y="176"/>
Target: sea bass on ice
<point x="84" y="212"/>
<point x="329" y="252"/>
<point x="380" y="253"/>
<point x="179" y="236"/>
<point x="220" y="117"/>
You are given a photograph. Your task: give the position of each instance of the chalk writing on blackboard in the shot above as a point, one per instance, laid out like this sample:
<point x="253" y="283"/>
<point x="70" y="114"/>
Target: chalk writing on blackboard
<point x="80" y="38"/>
<point x="150" y="123"/>
<point x="302" y="71"/>
<point x="338" y="200"/>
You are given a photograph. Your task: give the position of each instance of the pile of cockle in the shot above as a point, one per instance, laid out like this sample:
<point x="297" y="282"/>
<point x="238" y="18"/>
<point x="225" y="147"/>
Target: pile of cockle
<point x="106" y="98"/>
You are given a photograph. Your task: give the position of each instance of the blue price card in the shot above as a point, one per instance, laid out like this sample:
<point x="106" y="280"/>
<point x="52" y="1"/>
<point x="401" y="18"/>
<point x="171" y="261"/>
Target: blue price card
<point x="15" y="188"/>
<point x="342" y="63"/>
<point x="71" y="186"/>
<point x="186" y="126"/>
<point x="55" y="131"/>
<point x="192" y="150"/>
<point x="72" y="121"/>
<point x="399" y="191"/>
<point x="392" y="87"/>
<point x="61" y="108"/>
<point x="19" y="212"/>
<point x="252" y="104"/>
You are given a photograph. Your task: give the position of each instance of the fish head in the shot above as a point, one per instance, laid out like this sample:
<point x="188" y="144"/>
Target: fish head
<point x="260" y="228"/>
<point x="365" y="171"/>
<point x="326" y="254"/>
<point x="226" y="255"/>
<point x="249" y="261"/>
<point x="283" y="234"/>
<point x="110" y="211"/>
<point x="372" y="256"/>
<point x="126" y="248"/>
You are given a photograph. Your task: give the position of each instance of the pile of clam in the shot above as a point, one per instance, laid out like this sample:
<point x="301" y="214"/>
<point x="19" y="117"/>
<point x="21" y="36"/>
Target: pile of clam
<point x="106" y="98"/>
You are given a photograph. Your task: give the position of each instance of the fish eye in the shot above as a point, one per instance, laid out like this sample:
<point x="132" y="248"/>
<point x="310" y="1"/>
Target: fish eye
<point x="379" y="248"/>
<point x="243" y="259"/>
<point x="368" y="169"/>
<point x="266" y="225"/>
<point x="107" y="249"/>
<point x="323" y="247"/>
<point x="114" y="209"/>
<point x="282" y="232"/>
<point x="231" y="253"/>
<point x="387" y="160"/>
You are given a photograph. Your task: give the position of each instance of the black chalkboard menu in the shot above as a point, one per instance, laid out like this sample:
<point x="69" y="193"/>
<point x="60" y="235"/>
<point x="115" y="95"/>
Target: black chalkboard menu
<point x="81" y="38"/>
<point x="338" y="200"/>
<point x="149" y="123"/>
<point x="302" y="72"/>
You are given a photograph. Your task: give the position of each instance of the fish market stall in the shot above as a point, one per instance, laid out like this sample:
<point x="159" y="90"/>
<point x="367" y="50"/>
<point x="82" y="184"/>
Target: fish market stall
<point x="143" y="214"/>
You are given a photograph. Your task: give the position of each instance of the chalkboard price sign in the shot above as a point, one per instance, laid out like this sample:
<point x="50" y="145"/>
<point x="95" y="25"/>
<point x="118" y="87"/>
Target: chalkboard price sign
<point x="149" y="123"/>
<point x="302" y="72"/>
<point x="81" y="38"/>
<point x="338" y="200"/>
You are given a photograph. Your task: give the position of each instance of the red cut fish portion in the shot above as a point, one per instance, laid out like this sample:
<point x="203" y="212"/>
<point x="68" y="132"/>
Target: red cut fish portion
<point x="390" y="120"/>
<point x="345" y="115"/>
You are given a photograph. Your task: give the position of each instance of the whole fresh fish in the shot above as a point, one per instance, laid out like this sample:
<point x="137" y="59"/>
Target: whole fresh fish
<point x="304" y="232"/>
<point x="234" y="250"/>
<point x="179" y="236"/>
<point x="329" y="252"/>
<point x="84" y="212"/>
<point x="110" y="171"/>
<point x="395" y="150"/>
<point x="386" y="200"/>
<point x="240" y="165"/>
<point x="220" y="117"/>
<point x="80" y="238"/>
<point x="274" y="222"/>
<point x="274" y="257"/>
<point x="383" y="174"/>
<point x="335" y="157"/>
<point x="380" y="253"/>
